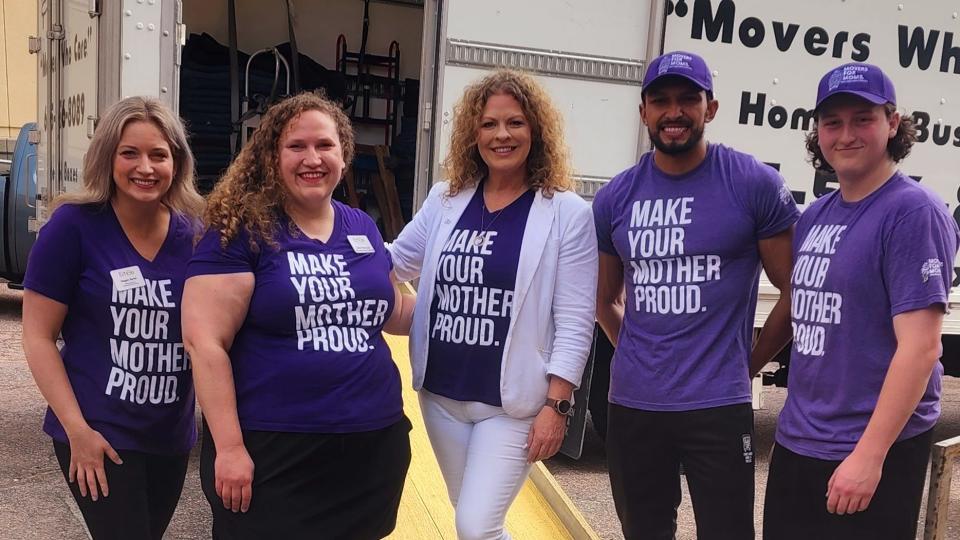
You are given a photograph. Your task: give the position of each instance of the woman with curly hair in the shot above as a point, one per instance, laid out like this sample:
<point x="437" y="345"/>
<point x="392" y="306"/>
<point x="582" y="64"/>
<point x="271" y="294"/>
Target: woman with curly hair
<point x="287" y="296"/>
<point x="506" y="254"/>
<point x="106" y="274"/>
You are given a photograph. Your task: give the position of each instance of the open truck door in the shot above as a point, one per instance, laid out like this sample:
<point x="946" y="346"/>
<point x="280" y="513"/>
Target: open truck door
<point x="91" y="54"/>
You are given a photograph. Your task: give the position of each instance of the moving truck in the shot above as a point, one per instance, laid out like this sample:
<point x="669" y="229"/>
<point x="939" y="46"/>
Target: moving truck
<point x="401" y="65"/>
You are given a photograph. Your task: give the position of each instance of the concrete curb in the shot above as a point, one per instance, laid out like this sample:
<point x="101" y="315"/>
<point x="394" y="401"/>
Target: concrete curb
<point x="568" y="513"/>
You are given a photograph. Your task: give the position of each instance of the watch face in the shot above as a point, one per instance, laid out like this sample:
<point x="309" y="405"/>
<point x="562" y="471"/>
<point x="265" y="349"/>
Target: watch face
<point x="564" y="406"/>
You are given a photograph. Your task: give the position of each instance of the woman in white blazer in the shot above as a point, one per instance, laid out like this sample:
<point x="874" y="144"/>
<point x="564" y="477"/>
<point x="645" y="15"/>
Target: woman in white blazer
<point x="506" y="254"/>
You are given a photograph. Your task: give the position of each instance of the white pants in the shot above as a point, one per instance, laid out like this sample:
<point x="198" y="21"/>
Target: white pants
<point x="483" y="457"/>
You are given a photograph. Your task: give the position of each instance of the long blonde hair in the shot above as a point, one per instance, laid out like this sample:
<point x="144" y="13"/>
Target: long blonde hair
<point x="251" y="193"/>
<point x="548" y="165"/>
<point x="98" y="182"/>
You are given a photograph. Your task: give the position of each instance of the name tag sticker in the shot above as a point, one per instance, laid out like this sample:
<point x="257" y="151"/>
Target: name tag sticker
<point x="127" y="278"/>
<point x="360" y="243"/>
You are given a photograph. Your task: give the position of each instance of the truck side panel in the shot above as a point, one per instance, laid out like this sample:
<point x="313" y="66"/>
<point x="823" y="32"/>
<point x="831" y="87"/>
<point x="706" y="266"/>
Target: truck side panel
<point x="67" y="93"/>
<point x="768" y="56"/>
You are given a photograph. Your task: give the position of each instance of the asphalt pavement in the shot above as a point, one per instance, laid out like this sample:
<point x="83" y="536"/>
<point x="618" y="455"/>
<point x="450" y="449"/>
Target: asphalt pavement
<point x="586" y="482"/>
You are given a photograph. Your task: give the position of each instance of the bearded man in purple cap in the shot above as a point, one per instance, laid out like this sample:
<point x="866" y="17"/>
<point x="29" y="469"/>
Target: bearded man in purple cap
<point x="683" y="235"/>
<point x="870" y="286"/>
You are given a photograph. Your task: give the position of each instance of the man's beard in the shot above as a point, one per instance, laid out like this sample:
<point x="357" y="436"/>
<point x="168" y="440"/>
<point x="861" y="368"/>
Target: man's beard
<point x="673" y="149"/>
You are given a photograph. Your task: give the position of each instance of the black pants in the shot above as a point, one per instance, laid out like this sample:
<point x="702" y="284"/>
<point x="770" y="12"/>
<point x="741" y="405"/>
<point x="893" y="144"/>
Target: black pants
<point x="315" y="485"/>
<point x="645" y="450"/>
<point x="144" y="492"/>
<point x="795" y="506"/>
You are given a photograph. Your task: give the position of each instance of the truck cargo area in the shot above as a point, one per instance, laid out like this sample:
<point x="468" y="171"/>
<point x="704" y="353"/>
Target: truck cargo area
<point x="365" y="55"/>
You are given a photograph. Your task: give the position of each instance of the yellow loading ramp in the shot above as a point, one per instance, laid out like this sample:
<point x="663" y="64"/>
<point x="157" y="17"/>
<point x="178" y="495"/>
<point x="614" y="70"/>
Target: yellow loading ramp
<point x="542" y="511"/>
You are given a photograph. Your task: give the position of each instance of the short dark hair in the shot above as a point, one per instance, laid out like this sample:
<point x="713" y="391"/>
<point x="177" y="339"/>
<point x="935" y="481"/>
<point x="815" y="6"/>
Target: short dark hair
<point x="898" y="147"/>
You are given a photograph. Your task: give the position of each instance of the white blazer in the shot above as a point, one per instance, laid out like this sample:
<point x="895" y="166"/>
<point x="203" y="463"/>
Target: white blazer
<point x="554" y="300"/>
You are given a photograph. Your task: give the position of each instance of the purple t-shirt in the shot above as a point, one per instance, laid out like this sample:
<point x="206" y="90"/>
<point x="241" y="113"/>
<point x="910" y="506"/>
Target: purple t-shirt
<point x="856" y="266"/>
<point x="310" y="356"/>
<point x="690" y="268"/>
<point x="473" y="301"/>
<point x="122" y="346"/>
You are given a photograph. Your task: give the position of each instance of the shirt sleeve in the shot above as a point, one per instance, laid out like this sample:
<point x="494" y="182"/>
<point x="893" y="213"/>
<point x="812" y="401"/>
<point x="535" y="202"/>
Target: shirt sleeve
<point x="54" y="265"/>
<point x="210" y="257"/>
<point x="918" y="260"/>
<point x="602" y="220"/>
<point x="772" y="202"/>
<point x="575" y="295"/>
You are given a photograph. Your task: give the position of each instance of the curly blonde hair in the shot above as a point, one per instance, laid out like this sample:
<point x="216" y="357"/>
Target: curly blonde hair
<point x="548" y="165"/>
<point x="99" y="185"/>
<point x="251" y="193"/>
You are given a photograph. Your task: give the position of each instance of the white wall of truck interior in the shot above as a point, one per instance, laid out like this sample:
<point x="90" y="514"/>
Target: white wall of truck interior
<point x="753" y="61"/>
<point x="317" y="24"/>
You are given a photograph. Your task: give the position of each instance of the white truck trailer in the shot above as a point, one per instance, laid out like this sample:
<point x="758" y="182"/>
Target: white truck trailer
<point x="767" y="57"/>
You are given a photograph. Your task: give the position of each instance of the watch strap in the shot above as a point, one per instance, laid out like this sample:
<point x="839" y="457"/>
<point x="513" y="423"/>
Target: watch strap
<point x="561" y="406"/>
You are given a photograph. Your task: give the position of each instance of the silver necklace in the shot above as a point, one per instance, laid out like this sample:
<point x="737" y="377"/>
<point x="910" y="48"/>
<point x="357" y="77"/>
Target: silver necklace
<point x="483" y="230"/>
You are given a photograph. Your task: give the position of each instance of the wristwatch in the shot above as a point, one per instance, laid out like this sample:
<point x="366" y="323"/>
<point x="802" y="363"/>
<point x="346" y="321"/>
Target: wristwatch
<point x="562" y="406"/>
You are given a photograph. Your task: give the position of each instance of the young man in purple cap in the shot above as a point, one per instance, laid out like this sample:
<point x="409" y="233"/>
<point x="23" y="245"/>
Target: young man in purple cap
<point x="683" y="235"/>
<point x="870" y="285"/>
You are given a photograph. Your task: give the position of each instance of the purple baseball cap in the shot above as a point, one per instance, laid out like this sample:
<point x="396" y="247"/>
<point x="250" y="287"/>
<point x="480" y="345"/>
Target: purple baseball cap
<point x="863" y="80"/>
<point x="679" y="64"/>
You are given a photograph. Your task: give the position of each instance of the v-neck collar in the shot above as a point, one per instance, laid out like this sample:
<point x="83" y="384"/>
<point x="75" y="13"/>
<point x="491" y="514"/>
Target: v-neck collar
<point x="487" y="212"/>
<point x="123" y="234"/>
<point x="291" y="224"/>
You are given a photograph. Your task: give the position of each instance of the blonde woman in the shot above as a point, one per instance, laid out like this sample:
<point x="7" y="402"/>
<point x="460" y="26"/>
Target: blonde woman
<point x="506" y="254"/>
<point x="107" y="274"/>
